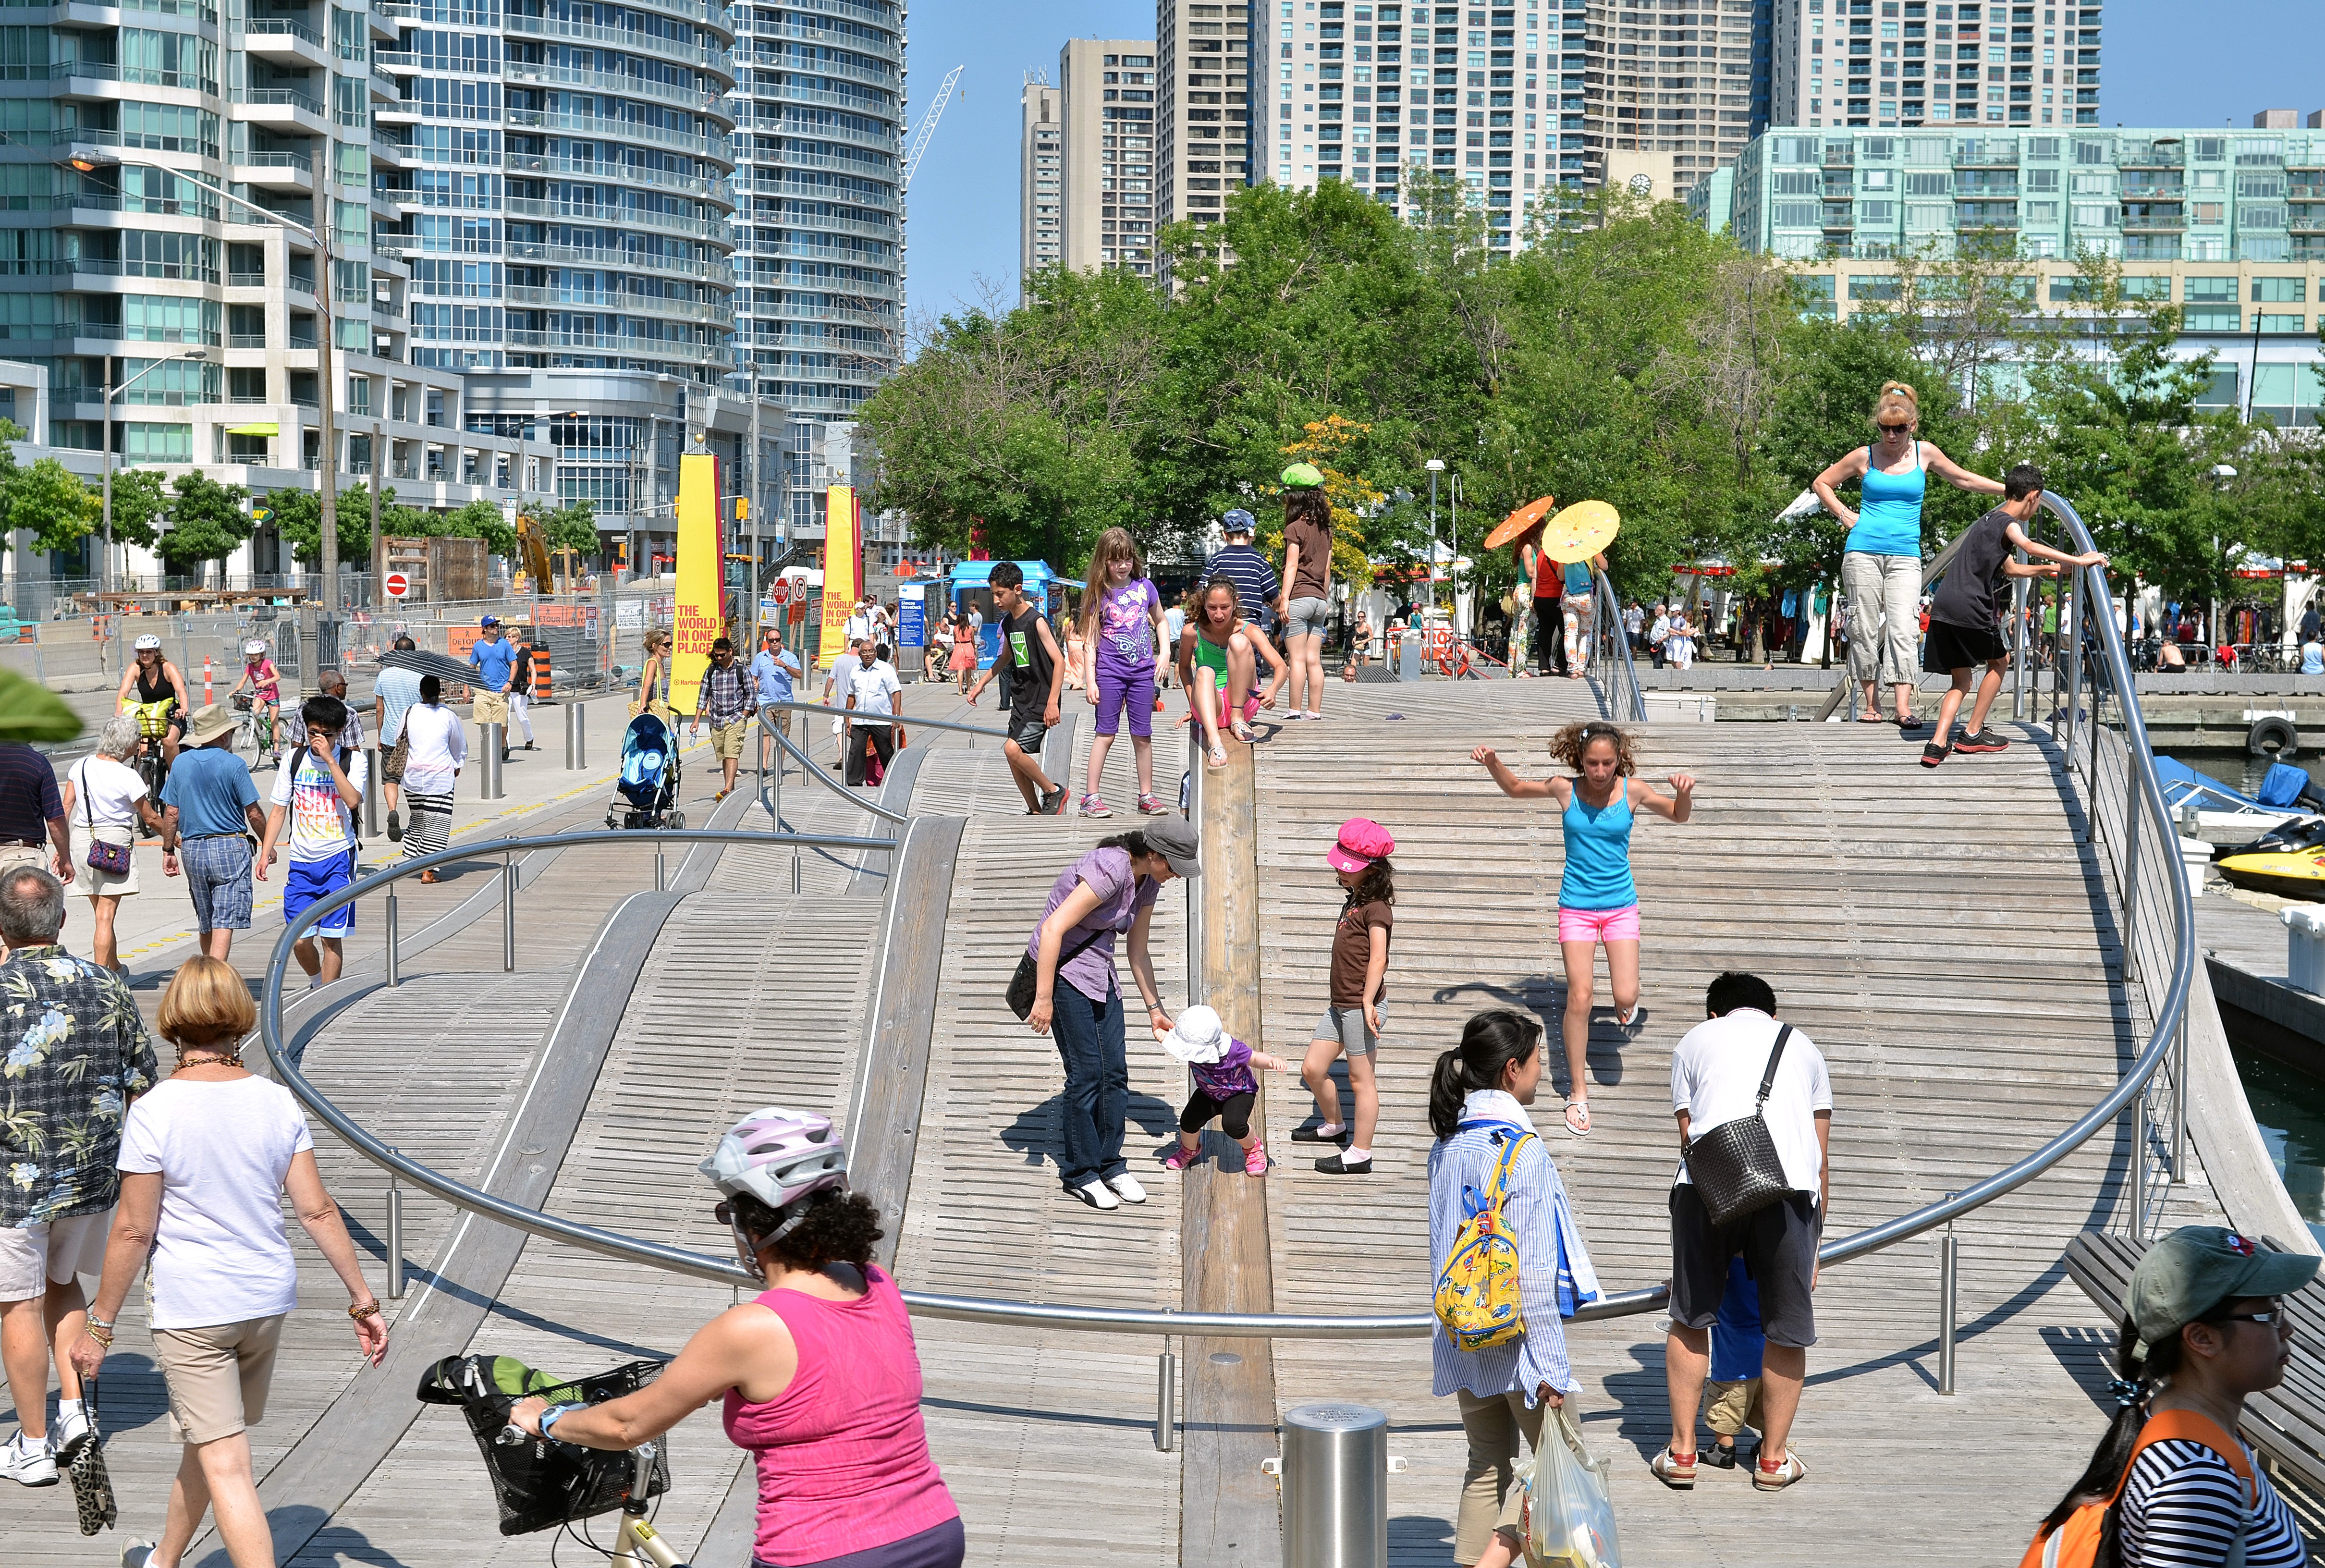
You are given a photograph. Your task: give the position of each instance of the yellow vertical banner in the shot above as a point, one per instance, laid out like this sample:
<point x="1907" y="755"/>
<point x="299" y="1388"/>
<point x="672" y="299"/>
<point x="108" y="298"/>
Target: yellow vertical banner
<point x="843" y="569"/>
<point x="695" y="623"/>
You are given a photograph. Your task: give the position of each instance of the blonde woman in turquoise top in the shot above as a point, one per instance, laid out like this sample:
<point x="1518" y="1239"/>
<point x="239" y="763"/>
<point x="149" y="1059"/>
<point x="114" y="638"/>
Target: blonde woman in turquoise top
<point x="1881" y="567"/>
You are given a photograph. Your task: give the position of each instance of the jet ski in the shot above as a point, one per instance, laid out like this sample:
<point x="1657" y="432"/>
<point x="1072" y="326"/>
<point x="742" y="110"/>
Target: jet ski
<point x="2289" y="862"/>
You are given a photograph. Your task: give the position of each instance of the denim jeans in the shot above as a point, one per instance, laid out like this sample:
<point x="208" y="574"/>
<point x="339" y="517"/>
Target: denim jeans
<point x="1097" y="1098"/>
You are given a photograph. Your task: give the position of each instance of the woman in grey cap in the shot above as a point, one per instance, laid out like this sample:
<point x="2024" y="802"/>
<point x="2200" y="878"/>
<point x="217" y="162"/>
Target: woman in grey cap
<point x="2204" y="1326"/>
<point x="1109" y="890"/>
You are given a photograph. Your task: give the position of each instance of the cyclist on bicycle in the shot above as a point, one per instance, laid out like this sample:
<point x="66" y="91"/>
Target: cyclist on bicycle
<point x="819" y="1374"/>
<point x="258" y="673"/>
<point x="156" y="689"/>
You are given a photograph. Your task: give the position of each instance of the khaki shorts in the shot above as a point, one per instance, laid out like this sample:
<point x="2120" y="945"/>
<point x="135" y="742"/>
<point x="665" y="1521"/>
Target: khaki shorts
<point x="35" y="1257"/>
<point x="491" y="708"/>
<point x="726" y="740"/>
<point x="1735" y="1406"/>
<point x="217" y="1376"/>
<point x="15" y="855"/>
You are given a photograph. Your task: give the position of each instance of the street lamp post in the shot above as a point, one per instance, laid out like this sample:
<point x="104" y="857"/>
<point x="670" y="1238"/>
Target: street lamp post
<point x="1435" y="466"/>
<point x="110" y="391"/>
<point x="88" y="159"/>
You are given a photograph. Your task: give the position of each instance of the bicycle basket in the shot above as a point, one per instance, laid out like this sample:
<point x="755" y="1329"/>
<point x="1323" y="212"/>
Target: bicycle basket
<point x="538" y="1484"/>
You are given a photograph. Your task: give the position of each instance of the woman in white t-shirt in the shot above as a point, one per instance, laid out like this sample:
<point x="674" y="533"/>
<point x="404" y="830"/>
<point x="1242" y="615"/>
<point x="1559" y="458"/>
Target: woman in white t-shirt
<point x="437" y="747"/>
<point x="206" y="1157"/>
<point x="104" y="800"/>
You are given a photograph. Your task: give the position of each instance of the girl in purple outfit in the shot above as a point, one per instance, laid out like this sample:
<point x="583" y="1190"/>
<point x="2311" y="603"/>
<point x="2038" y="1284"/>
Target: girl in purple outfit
<point x="1122" y="619"/>
<point x="1225" y="1087"/>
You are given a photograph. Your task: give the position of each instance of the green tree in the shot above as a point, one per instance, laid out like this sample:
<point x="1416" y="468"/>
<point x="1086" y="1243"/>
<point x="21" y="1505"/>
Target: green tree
<point x="50" y="502"/>
<point x="571" y="526"/>
<point x="299" y="520"/>
<point x="205" y="523"/>
<point x="141" y="503"/>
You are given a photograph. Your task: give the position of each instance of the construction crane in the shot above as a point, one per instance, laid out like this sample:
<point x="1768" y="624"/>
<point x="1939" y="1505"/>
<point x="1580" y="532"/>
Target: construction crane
<point x="927" y="128"/>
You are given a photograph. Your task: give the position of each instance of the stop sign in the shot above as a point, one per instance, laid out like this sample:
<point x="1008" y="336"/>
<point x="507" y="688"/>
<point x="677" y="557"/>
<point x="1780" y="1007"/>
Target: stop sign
<point x="781" y="590"/>
<point x="398" y="585"/>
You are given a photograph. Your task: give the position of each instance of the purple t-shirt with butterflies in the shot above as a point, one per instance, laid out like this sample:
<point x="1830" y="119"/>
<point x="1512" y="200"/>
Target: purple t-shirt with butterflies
<point x="1125" y="634"/>
<point x="1227" y="1077"/>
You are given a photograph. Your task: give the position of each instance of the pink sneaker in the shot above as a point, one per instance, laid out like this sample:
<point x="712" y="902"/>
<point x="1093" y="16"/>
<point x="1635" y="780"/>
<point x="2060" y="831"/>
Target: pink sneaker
<point x="1180" y="1157"/>
<point x="1254" y="1159"/>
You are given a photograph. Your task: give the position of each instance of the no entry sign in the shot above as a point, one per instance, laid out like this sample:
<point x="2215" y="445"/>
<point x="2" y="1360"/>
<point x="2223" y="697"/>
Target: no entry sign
<point x="398" y="585"/>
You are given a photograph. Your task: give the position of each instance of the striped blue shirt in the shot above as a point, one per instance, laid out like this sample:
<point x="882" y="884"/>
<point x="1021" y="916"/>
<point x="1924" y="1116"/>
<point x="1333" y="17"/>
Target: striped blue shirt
<point x="1467" y="1159"/>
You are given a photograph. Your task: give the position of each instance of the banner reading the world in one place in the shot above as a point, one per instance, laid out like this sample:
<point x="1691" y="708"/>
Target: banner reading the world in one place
<point x="843" y="569"/>
<point x="695" y="619"/>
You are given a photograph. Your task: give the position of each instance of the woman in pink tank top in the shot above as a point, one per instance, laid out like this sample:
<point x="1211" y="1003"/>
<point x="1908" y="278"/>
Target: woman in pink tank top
<point x="819" y="1375"/>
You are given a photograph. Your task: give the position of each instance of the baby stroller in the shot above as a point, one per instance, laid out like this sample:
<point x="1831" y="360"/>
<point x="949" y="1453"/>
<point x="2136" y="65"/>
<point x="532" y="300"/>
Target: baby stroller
<point x="645" y="795"/>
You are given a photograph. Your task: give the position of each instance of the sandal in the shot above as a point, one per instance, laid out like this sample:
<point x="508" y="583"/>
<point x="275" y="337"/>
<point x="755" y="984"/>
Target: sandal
<point x="1577" y="1116"/>
<point x="1241" y="732"/>
<point x="1216" y="755"/>
<point x="1775" y="1478"/>
<point x="1676" y="1473"/>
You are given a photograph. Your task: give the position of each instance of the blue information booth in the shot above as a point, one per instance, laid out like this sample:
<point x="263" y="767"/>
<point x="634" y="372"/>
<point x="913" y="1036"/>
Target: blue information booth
<point x="968" y="588"/>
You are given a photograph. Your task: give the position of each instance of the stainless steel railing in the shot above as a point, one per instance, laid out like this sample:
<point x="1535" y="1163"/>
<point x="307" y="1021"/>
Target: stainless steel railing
<point x="1625" y="699"/>
<point x="2163" y="946"/>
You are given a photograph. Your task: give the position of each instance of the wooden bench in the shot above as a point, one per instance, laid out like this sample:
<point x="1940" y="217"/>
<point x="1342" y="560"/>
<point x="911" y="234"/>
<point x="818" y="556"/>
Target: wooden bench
<point x="2287" y="1425"/>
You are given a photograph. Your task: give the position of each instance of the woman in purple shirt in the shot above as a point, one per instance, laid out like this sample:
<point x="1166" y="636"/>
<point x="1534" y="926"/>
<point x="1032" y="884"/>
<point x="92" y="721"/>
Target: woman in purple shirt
<point x="1109" y="890"/>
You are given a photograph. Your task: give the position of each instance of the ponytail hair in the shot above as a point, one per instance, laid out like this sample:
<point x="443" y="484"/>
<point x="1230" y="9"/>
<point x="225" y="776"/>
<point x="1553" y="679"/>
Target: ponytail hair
<point x="2138" y="1379"/>
<point x="1490" y="1042"/>
<point x="1897" y="401"/>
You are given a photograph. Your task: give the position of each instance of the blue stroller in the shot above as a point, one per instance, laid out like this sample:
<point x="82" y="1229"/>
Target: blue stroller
<point x="645" y="795"/>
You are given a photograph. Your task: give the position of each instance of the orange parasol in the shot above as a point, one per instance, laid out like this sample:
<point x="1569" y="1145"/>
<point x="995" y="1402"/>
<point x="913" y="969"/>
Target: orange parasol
<point x="1580" y="532"/>
<point x="1514" y="526"/>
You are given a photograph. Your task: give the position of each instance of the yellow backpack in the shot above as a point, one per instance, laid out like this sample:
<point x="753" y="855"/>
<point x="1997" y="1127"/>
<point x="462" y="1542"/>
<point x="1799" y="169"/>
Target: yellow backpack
<point x="1477" y="1289"/>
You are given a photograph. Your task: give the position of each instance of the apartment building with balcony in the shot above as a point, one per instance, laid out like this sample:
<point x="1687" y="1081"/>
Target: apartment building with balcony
<point x="1204" y="122"/>
<point x="1896" y="64"/>
<point x="1087" y="159"/>
<point x="2229" y="224"/>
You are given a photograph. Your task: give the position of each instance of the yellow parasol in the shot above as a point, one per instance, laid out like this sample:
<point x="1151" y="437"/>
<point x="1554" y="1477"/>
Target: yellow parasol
<point x="1580" y="532"/>
<point x="1514" y="526"/>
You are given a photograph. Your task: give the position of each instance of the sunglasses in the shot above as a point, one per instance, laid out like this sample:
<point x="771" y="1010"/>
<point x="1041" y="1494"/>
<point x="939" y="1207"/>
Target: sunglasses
<point x="2272" y="1318"/>
<point x="1895" y="430"/>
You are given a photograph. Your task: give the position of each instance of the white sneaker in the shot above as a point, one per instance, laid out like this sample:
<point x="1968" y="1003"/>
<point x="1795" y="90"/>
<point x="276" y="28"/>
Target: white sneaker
<point x="70" y="1431"/>
<point x="1093" y="1193"/>
<point x="1125" y="1187"/>
<point x="28" y="1463"/>
<point x="137" y="1553"/>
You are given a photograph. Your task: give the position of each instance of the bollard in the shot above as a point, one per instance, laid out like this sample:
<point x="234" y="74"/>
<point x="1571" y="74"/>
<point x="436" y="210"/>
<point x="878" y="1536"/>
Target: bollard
<point x="1948" y="1264"/>
<point x="1166" y="1392"/>
<point x="488" y="770"/>
<point x="373" y="787"/>
<point x="394" y="1237"/>
<point x="1335" y="1482"/>
<point x="508" y="912"/>
<point x="207" y="698"/>
<point x="660" y="877"/>
<point x="392" y="977"/>
<point x="574" y="748"/>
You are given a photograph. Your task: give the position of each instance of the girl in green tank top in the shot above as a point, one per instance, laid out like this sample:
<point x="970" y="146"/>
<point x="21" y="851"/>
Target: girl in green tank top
<point x="1218" y="655"/>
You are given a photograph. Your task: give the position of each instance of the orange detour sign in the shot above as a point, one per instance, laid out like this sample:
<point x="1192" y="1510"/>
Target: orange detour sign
<point x="1514" y="526"/>
<point x="1580" y="532"/>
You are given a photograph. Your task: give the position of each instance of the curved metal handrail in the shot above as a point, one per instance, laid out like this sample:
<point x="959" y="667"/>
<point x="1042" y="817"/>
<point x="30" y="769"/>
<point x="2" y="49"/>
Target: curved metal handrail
<point x="866" y="717"/>
<point x="2145" y="802"/>
<point x="808" y="766"/>
<point x="1612" y="630"/>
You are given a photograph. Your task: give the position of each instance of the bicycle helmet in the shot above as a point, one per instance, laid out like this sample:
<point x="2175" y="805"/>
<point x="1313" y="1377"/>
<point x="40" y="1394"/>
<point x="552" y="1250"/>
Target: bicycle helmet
<point x="149" y="641"/>
<point x="778" y="1156"/>
<point x="253" y="649"/>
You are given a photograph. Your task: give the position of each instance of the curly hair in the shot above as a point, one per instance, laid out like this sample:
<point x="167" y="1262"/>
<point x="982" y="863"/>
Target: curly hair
<point x="839" y="1227"/>
<point x="1375" y="884"/>
<point x="1568" y="745"/>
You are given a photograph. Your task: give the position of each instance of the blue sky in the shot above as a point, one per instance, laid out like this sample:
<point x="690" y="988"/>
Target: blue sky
<point x="2168" y="62"/>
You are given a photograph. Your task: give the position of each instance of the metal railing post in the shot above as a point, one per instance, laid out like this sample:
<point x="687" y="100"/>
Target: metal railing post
<point x="2018" y="649"/>
<point x="573" y="746"/>
<point x="2139" y="1164"/>
<point x="2130" y="872"/>
<point x="394" y="1236"/>
<point x="508" y="912"/>
<point x="1948" y="1276"/>
<point x="2072" y="650"/>
<point x="2180" y="1106"/>
<point x="395" y="977"/>
<point x="1166" y="1400"/>
<point x="661" y="875"/>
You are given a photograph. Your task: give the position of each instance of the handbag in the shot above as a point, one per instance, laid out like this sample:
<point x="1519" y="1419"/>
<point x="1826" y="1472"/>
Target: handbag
<point x="1025" y="984"/>
<point x="1734" y="1166"/>
<point x="112" y="859"/>
<point x="92" y="1485"/>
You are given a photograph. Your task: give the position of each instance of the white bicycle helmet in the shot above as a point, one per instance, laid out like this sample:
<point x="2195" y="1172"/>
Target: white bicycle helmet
<point x="253" y="649"/>
<point x="149" y="641"/>
<point x="778" y="1156"/>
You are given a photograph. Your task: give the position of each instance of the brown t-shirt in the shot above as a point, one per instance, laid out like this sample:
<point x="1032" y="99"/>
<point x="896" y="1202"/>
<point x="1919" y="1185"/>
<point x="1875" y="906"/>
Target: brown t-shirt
<point x="1352" y="951"/>
<point x="1315" y="557"/>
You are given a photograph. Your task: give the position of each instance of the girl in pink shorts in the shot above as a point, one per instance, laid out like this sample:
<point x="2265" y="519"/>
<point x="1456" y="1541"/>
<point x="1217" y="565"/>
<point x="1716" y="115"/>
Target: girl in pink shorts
<point x="1598" y="901"/>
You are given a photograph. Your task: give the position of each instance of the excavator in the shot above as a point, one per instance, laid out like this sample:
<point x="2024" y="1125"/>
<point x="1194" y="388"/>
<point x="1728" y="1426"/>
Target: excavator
<point x="532" y="545"/>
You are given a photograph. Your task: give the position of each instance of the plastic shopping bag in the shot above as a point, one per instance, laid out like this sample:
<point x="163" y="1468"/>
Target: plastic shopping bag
<point x="1570" y="1521"/>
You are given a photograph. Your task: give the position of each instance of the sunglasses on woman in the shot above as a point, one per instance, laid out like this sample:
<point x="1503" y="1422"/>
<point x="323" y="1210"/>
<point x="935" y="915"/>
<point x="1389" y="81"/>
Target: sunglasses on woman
<point x="2270" y="1318"/>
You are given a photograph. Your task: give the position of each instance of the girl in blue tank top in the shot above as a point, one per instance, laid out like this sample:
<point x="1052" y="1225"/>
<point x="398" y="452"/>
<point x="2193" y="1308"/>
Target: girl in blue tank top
<point x="1881" y="566"/>
<point x="1597" y="901"/>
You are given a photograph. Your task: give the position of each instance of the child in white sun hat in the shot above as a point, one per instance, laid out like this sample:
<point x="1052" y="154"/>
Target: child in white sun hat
<point x="1224" y="1088"/>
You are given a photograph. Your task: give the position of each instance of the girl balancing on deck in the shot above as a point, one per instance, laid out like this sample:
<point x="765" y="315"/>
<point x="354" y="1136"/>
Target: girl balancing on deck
<point x="1597" y="901"/>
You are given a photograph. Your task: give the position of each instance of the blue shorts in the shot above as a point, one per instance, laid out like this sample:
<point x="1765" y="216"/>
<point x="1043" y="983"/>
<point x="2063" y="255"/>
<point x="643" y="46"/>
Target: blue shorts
<point x="311" y="881"/>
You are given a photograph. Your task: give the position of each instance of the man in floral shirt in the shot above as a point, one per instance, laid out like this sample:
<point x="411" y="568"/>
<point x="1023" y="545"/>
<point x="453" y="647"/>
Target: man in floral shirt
<point x="73" y="1055"/>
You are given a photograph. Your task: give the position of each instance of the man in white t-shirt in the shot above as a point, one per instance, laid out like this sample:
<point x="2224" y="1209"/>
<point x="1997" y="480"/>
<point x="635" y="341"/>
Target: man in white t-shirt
<point x="1717" y="1071"/>
<point x="859" y="628"/>
<point x="839" y="681"/>
<point x="877" y="689"/>
<point x="317" y="792"/>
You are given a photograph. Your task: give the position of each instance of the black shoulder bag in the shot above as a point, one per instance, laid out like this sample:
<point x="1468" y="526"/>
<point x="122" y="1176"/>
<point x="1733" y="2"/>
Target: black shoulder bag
<point x="1734" y="1167"/>
<point x="1025" y="984"/>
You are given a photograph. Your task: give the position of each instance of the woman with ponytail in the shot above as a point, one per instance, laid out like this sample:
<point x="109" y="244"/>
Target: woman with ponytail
<point x="1477" y="1099"/>
<point x="2173" y="1485"/>
<point x="1881" y="567"/>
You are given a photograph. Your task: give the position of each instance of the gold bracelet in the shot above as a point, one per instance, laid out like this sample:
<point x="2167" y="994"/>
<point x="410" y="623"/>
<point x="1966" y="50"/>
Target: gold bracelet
<point x="369" y="1309"/>
<point x="104" y="1337"/>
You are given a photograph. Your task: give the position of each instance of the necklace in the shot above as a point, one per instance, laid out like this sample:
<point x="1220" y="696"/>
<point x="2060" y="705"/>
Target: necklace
<point x="185" y="1061"/>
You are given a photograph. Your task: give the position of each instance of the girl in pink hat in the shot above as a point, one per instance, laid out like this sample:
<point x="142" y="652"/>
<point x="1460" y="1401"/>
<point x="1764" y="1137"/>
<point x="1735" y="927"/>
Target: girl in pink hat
<point x="1351" y="1023"/>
